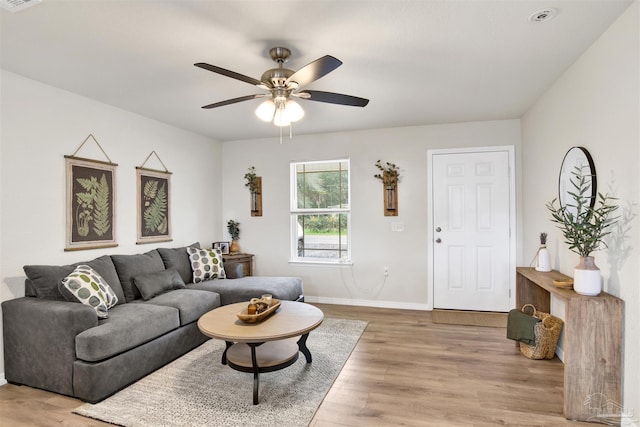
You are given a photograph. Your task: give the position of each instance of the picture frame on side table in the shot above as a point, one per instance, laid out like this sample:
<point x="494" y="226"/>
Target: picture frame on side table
<point x="153" y="205"/>
<point x="223" y="246"/>
<point x="90" y="200"/>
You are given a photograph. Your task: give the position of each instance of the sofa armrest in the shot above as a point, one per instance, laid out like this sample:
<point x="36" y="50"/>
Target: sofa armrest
<point x="39" y="341"/>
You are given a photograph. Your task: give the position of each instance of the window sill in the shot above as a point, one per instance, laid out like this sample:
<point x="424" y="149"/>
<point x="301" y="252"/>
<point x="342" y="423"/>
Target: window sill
<point x="325" y="263"/>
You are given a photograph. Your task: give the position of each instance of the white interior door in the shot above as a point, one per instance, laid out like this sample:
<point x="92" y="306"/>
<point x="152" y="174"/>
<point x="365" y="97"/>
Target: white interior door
<point x="471" y="230"/>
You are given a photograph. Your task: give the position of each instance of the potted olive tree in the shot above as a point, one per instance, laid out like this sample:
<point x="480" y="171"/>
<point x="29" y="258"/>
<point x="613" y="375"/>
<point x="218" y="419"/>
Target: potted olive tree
<point x="584" y="225"/>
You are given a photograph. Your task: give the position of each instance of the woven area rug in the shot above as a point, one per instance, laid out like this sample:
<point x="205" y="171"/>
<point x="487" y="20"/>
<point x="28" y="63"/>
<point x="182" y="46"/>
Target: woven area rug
<point x="197" y="390"/>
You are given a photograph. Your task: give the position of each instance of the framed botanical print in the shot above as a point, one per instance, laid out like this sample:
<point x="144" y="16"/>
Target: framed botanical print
<point x="90" y="204"/>
<point x="153" y="200"/>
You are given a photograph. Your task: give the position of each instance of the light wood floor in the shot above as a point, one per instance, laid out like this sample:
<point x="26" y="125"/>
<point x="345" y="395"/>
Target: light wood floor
<point x="405" y="370"/>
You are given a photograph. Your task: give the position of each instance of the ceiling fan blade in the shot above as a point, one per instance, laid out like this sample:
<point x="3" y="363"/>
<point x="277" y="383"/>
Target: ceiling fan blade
<point x="232" y="74"/>
<point x="314" y="70"/>
<point x="333" y="98"/>
<point x="234" y="100"/>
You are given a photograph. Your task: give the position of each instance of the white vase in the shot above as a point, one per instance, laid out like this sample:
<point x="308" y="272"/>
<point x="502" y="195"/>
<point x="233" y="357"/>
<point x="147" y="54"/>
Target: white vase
<point x="543" y="262"/>
<point x="587" y="279"/>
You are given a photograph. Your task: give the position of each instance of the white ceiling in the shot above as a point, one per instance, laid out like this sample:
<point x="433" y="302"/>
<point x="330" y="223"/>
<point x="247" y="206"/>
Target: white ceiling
<point x="419" y="62"/>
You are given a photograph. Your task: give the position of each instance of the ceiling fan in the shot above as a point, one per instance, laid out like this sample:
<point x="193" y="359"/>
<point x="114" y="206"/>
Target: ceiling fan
<point x="282" y="84"/>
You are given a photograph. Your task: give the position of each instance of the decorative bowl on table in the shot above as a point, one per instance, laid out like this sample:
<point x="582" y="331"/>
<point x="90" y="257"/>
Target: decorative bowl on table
<point x="563" y="284"/>
<point x="259" y="317"/>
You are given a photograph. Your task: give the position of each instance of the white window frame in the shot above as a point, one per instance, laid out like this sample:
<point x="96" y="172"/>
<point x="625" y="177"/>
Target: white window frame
<point x="295" y="211"/>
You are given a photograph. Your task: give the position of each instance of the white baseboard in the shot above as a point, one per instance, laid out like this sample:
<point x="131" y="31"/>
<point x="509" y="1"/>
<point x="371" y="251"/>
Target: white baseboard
<point x="560" y="353"/>
<point x="3" y="381"/>
<point x="368" y="303"/>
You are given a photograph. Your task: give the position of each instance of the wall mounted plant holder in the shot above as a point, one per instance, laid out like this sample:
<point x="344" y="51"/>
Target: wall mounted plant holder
<point x="256" y="198"/>
<point x="390" y="200"/>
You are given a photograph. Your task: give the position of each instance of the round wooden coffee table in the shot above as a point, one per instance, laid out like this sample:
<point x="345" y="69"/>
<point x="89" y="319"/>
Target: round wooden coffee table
<point x="264" y="346"/>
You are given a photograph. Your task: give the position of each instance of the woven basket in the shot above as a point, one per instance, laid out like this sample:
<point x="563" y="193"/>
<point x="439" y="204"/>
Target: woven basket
<point x="547" y="332"/>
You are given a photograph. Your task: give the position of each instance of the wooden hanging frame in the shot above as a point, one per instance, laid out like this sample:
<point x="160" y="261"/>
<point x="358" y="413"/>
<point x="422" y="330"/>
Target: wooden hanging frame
<point x="153" y="153"/>
<point x="153" y="203"/>
<point x="90" y="201"/>
<point x="91" y="137"/>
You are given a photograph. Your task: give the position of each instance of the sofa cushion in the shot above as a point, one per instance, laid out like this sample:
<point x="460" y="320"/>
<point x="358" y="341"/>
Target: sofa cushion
<point x="178" y="258"/>
<point x="245" y="288"/>
<point x="130" y="266"/>
<point x="191" y="304"/>
<point x="86" y="286"/>
<point x="44" y="279"/>
<point x="152" y="284"/>
<point x="128" y="326"/>
<point x="206" y="264"/>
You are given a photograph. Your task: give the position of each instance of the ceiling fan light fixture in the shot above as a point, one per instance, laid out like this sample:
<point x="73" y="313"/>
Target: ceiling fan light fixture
<point x="293" y="110"/>
<point x="281" y="118"/>
<point x="266" y="110"/>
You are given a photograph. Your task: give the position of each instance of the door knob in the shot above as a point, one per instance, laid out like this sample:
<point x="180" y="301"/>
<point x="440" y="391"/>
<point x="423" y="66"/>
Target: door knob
<point x="438" y="240"/>
<point x="438" y="229"/>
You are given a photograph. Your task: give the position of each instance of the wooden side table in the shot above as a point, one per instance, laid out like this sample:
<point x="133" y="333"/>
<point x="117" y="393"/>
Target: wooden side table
<point x="238" y="265"/>
<point x="592" y="339"/>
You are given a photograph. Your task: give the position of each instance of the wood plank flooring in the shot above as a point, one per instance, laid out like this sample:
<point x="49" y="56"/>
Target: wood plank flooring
<point x="405" y="370"/>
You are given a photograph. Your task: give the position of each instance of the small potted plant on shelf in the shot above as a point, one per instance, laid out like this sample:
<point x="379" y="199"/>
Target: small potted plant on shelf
<point x="584" y="225"/>
<point x="234" y="232"/>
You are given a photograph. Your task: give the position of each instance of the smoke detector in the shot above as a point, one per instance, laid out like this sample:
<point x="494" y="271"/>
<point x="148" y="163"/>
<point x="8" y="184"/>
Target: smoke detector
<point x="18" y="5"/>
<point x="543" y="15"/>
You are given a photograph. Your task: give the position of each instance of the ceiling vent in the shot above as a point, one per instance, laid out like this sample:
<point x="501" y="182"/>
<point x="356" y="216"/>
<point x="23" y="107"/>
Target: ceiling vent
<point x="18" y="5"/>
<point x="543" y="15"/>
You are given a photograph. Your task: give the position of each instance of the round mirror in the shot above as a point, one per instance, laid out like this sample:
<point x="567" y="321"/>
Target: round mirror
<point x="576" y="161"/>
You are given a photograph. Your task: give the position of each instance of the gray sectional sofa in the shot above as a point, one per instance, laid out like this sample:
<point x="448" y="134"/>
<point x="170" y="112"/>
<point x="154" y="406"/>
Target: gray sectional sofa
<point x="62" y="346"/>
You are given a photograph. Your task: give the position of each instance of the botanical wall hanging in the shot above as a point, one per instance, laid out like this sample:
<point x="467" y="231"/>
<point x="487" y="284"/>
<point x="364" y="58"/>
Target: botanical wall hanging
<point x="254" y="184"/>
<point x="90" y="201"/>
<point x="153" y="201"/>
<point x="389" y="175"/>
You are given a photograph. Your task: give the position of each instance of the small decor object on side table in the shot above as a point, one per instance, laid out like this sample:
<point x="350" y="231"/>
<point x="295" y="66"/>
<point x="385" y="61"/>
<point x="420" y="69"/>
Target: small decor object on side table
<point x="389" y="175"/>
<point x="584" y="226"/>
<point x="254" y="184"/>
<point x="543" y="263"/>
<point x="234" y="232"/>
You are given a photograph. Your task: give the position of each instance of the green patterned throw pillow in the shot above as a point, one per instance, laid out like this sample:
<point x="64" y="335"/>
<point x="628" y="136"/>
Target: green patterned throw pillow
<point x="85" y="285"/>
<point x="206" y="264"/>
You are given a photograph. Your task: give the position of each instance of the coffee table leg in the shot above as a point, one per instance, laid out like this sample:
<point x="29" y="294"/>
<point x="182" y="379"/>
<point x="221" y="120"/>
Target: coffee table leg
<point x="224" y="354"/>
<point x="256" y="372"/>
<point x="302" y="345"/>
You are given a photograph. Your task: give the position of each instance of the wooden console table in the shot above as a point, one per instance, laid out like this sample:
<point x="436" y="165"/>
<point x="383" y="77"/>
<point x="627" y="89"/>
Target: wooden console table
<point x="592" y="339"/>
<point x="238" y="265"/>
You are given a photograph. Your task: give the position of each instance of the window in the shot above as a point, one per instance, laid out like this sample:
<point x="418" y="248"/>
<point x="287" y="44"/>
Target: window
<point x="320" y="212"/>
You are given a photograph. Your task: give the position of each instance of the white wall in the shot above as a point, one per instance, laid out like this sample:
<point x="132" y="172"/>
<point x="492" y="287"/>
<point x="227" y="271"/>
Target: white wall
<point x="40" y="124"/>
<point x="374" y="245"/>
<point x="595" y="104"/>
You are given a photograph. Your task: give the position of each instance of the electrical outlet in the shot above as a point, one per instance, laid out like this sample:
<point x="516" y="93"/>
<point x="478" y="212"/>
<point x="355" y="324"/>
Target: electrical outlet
<point x="386" y="271"/>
